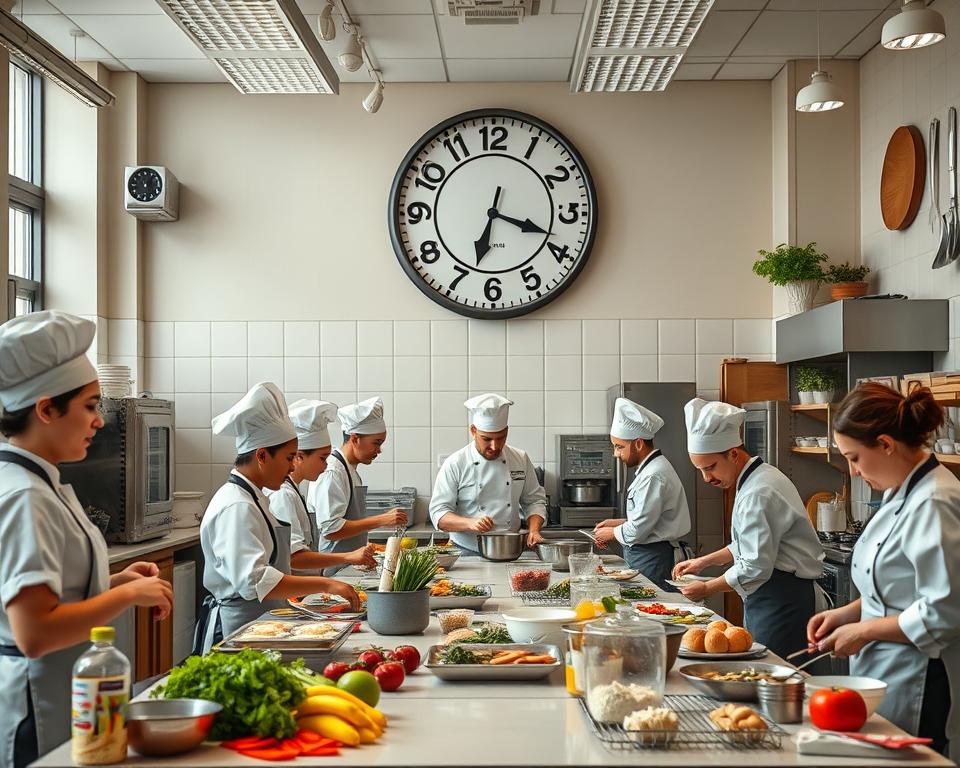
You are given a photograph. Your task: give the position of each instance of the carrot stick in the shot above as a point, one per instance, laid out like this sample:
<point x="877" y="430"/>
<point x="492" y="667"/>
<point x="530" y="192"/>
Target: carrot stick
<point x="509" y="657"/>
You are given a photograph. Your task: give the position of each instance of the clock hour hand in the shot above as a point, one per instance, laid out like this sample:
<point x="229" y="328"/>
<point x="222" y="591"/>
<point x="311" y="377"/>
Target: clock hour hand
<point x="482" y="244"/>
<point x="525" y="226"/>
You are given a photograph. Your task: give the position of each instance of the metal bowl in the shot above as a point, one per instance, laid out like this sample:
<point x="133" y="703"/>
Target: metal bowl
<point x="730" y="691"/>
<point x="501" y="547"/>
<point x="557" y="552"/>
<point x="169" y="726"/>
<point x="447" y="560"/>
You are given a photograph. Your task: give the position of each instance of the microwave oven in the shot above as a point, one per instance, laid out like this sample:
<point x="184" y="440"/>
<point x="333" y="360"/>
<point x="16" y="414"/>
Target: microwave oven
<point x="128" y="471"/>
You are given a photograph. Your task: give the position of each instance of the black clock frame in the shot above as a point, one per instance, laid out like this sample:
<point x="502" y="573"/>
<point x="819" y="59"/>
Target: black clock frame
<point x="154" y="176"/>
<point x="394" y="219"/>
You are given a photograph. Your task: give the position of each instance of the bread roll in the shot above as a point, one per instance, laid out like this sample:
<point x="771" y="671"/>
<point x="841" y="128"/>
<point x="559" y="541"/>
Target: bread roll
<point x="721" y="625"/>
<point x="693" y="640"/>
<point x="736" y="717"/>
<point x="738" y="639"/>
<point x="715" y="641"/>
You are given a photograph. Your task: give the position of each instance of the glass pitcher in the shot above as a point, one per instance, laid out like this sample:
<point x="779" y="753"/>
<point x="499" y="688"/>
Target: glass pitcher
<point x="584" y="564"/>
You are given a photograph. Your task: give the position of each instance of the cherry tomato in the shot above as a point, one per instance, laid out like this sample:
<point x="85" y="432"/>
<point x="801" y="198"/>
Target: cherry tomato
<point x="390" y="675"/>
<point x="408" y="656"/>
<point x="838" y="709"/>
<point x="370" y="658"/>
<point x="335" y="670"/>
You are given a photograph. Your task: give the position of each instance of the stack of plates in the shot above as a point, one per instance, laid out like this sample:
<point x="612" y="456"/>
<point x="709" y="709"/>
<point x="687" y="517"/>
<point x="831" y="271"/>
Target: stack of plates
<point x="114" y="380"/>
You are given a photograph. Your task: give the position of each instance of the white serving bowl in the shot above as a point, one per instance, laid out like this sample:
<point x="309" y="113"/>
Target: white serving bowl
<point x="871" y="689"/>
<point x="538" y="625"/>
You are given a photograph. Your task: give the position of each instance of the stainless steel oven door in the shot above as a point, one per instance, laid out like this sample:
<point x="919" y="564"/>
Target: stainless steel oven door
<point x="155" y="459"/>
<point x="759" y="433"/>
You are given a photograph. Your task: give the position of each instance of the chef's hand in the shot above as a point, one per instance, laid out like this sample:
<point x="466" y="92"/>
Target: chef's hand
<point x="611" y="523"/>
<point x="362" y="557"/>
<point x="481" y="524"/>
<point x="393" y="518"/>
<point x="602" y="536"/>
<point x="696" y="591"/>
<point x="846" y="640"/>
<point x="534" y="538"/>
<point x="821" y="625"/>
<point x="135" y="571"/>
<point x="345" y="591"/>
<point x="693" y="566"/>
<point x="151" y="592"/>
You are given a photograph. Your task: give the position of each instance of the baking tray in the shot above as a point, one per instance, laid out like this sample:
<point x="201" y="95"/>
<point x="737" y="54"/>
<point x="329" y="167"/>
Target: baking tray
<point x="502" y="672"/>
<point x="290" y="642"/>
<point x="322" y="607"/>
<point x="470" y="601"/>
<point x="733" y="690"/>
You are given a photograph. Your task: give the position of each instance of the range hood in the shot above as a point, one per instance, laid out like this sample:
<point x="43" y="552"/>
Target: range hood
<point x="864" y="325"/>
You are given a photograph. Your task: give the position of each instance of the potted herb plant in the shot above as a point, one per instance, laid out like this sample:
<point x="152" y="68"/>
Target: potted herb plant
<point x="808" y="382"/>
<point x="405" y="610"/>
<point x="847" y="280"/>
<point x="796" y="268"/>
<point x="827" y="384"/>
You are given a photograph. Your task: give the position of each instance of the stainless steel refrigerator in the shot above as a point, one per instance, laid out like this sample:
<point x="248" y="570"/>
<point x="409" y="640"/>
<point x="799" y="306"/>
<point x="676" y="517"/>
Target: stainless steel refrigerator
<point x="666" y="399"/>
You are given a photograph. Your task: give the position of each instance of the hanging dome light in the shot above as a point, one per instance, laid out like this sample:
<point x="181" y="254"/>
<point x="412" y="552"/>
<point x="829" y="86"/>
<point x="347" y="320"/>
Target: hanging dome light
<point x="326" y="26"/>
<point x="352" y="57"/>
<point x="916" y="26"/>
<point x="374" y="99"/>
<point x="821" y="95"/>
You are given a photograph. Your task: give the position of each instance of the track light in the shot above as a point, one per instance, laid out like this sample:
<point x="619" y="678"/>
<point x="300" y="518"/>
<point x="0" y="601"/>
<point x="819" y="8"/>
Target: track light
<point x="916" y="26"/>
<point x="326" y="26"/>
<point x="375" y="98"/>
<point x="822" y="94"/>
<point x="352" y="57"/>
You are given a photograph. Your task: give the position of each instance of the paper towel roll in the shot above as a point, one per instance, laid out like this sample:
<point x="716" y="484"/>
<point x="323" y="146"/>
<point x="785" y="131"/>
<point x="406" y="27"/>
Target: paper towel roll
<point x="390" y="556"/>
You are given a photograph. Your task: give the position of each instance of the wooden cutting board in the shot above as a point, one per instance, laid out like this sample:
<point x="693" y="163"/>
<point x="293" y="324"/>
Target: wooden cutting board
<point x="903" y="177"/>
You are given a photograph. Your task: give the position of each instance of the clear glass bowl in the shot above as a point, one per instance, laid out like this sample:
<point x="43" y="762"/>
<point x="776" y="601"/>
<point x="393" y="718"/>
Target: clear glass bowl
<point x="529" y="577"/>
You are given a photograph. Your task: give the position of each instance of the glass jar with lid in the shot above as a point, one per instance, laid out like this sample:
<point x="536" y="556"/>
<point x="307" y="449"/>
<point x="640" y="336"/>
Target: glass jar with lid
<point x="625" y="664"/>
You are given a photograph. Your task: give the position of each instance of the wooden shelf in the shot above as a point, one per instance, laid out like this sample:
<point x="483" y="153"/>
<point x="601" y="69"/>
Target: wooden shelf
<point x="815" y="451"/>
<point x="811" y="407"/>
<point x="947" y="400"/>
<point x="948" y="459"/>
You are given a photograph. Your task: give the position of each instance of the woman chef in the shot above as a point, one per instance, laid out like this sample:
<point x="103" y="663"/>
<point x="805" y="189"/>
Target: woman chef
<point x="310" y="419"/>
<point x="774" y="553"/>
<point x="246" y="551"/>
<point x="905" y="628"/>
<point x="55" y="584"/>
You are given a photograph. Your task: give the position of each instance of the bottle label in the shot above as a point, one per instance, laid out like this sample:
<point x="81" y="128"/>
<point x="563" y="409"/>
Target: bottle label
<point x="99" y="719"/>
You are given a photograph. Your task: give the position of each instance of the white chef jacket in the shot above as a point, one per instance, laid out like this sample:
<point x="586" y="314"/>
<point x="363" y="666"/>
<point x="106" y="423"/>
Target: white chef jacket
<point x="286" y="506"/>
<point x="770" y="529"/>
<point x="328" y="498"/>
<point x="656" y="505"/>
<point x="237" y="544"/>
<point x="40" y="545"/>
<point x="505" y="489"/>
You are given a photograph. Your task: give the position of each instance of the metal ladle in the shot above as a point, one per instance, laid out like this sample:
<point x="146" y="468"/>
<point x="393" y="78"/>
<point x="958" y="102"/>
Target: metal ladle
<point x="947" y="252"/>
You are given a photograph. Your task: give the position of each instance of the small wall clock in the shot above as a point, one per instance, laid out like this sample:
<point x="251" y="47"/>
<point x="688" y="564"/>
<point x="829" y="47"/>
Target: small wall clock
<point x="492" y="213"/>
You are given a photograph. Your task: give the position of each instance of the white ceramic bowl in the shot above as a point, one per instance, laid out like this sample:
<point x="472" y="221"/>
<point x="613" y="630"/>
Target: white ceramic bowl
<point x="538" y="625"/>
<point x="871" y="689"/>
<point x="823" y="442"/>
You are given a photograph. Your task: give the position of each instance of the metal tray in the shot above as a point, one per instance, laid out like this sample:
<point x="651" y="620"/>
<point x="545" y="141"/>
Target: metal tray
<point x="729" y="691"/>
<point x="290" y="643"/>
<point x="315" y="607"/>
<point x="485" y="672"/>
<point x="467" y="601"/>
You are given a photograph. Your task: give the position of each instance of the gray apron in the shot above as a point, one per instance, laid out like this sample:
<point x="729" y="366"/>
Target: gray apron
<point x="356" y="510"/>
<point x="311" y="519"/>
<point x="776" y="614"/>
<point x="35" y="693"/>
<point x="220" y="618"/>
<point x="905" y="668"/>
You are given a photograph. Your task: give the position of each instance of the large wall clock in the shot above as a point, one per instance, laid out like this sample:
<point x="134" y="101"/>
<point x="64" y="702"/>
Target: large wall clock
<point x="492" y="213"/>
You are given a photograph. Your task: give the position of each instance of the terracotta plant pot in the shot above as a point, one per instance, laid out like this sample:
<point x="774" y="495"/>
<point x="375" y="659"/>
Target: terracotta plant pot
<point x="840" y="291"/>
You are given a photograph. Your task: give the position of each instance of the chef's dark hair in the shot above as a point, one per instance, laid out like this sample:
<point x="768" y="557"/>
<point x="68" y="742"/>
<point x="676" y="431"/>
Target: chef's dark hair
<point x="13" y="423"/>
<point x="250" y="456"/>
<point x="873" y="409"/>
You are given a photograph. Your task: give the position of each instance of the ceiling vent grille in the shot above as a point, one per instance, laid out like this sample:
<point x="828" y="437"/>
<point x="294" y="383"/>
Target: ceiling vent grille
<point x="493" y="11"/>
<point x="634" y="45"/>
<point x="261" y="46"/>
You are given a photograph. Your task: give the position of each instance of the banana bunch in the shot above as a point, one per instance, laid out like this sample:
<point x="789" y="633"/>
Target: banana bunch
<point x="337" y="714"/>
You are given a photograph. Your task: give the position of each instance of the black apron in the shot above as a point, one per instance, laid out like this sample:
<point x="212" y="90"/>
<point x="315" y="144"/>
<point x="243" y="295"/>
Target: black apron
<point x="776" y="614"/>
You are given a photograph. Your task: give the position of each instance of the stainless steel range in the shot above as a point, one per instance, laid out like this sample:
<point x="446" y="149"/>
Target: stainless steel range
<point x="587" y="480"/>
<point x="836" y="580"/>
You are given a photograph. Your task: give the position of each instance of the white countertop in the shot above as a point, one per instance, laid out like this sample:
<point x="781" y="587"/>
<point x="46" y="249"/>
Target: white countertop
<point x="178" y="538"/>
<point x="437" y="723"/>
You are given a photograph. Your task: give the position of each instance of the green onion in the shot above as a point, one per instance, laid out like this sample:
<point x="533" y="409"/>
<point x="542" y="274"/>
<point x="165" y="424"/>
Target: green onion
<point x="414" y="571"/>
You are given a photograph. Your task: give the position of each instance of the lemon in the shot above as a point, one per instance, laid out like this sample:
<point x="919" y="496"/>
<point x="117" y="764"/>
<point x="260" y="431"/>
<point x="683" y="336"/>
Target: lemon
<point x="585" y="610"/>
<point x="408" y="542"/>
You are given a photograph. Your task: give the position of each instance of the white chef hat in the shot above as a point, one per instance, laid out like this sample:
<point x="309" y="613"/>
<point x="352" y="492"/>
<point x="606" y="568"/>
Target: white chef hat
<point x="310" y="419"/>
<point x="489" y="412"/>
<point x="713" y="427"/>
<point x="632" y="421"/>
<point x="43" y="354"/>
<point x="365" y="418"/>
<point x="259" y="420"/>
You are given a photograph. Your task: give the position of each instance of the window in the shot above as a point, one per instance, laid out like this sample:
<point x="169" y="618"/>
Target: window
<point x="25" y="287"/>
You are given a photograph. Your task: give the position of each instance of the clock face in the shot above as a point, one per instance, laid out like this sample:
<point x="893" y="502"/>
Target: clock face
<point x="492" y="213"/>
<point x="145" y="185"/>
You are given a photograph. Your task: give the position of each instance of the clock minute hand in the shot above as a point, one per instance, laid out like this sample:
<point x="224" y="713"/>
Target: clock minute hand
<point x="482" y="244"/>
<point x="525" y="226"/>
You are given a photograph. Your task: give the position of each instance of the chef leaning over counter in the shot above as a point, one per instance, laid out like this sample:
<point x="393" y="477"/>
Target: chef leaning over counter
<point x="288" y="504"/>
<point x="657" y="513"/>
<point x="338" y="499"/>
<point x="55" y="584"/>
<point x="488" y="485"/>
<point x="774" y="556"/>
<point x="246" y="550"/>
<point x="905" y="627"/>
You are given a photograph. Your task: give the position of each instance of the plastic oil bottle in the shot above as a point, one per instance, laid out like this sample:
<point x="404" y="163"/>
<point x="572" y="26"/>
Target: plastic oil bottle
<point x="100" y="692"/>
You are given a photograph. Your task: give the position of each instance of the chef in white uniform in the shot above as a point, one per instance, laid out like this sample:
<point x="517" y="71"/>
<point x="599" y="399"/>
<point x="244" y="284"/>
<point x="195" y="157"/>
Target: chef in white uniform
<point x="55" y="584"/>
<point x="246" y="549"/>
<point x="338" y="499"/>
<point x="905" y="627"/>
<point x="775" y="556"/>
<point x="288" y="503"/>
<point x="488" y="485"/>
<point x="657" y="514"/>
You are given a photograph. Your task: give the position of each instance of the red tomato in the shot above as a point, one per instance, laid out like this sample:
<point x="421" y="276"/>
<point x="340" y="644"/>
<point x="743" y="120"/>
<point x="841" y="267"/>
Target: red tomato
<point x="370" y="658"/>
<point x="335" y="670"/>
<point x="408" y="656"/>
<point x="390" y="675"/>
<point x="838" y="709"/>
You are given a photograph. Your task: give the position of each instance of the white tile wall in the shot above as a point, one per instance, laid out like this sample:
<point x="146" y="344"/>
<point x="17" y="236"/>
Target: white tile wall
<point x="556" y="372"/>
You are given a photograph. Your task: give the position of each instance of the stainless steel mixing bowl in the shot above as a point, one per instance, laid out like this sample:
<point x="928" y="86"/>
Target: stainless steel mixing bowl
<point x="169" y="726"/>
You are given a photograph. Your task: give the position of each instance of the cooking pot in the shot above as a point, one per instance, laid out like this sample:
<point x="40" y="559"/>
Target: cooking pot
<point x="586" y="492"/>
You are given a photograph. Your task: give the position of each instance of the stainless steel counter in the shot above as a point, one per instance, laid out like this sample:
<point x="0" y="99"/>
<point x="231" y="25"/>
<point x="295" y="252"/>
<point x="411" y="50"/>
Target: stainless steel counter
<point x="178" y="538"/>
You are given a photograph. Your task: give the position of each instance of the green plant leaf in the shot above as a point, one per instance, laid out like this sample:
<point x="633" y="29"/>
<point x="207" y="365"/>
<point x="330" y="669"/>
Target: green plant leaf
<point x="790" y="263"/>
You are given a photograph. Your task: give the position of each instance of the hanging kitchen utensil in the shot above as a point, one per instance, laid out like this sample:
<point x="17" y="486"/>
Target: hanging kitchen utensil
<point x="903" y="177"/>
<point x="933" y="150"/>
<point x="945" y="253"/>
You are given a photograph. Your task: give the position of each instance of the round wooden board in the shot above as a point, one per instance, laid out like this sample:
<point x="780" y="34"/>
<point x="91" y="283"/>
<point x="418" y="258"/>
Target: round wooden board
<point x="903" y="177"/>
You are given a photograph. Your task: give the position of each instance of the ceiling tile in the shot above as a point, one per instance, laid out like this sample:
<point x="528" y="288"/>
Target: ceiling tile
<point x="359" y="7"/>
<point x="537" y="37"/>
<point x="176" y="70"/>
<point x="862" y="43"/>
<point x="748" y="71"/>
<point x="830" y="6"/>
<point x="56" y="31"/>
<point x="32" y="8"/>
<point x="400" y="71"/>
<point x="567" y="6"/>
<point x="143" y="7"/>
<point x="390" y="37"/>
<point x="738" y="5"/>
<point x="695" y="71"/>
<point x="508" y="70"/>
<point x="720" y="32"/>
<point x="154" y="37"/>
<point x="794" y="33"/>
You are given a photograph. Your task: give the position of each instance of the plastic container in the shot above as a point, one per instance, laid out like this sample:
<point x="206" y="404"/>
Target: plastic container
<point x="456" y="618"/>
<point x="532" y="577"/>
<point x="100" y="693"/>
<point x="625" y="661"/>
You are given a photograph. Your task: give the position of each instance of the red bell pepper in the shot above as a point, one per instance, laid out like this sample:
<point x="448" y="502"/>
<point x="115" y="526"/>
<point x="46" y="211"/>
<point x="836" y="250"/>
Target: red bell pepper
<point x="250" y="742"/>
